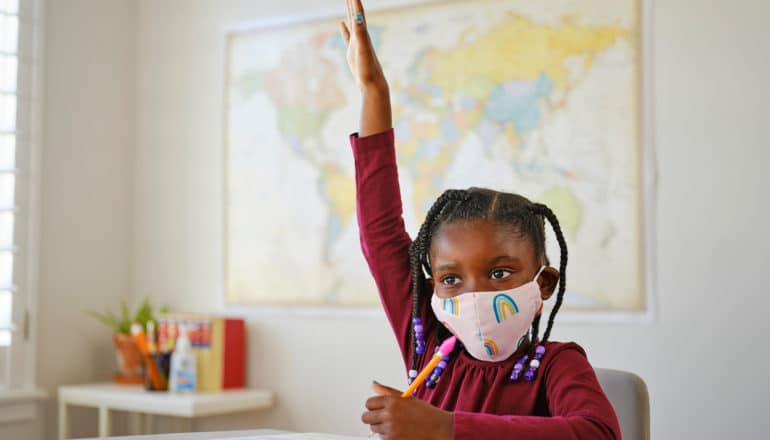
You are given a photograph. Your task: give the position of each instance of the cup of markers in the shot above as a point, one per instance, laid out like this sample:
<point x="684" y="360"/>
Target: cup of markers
<point x="169" y="361"/>
<point x="155" y="378"/>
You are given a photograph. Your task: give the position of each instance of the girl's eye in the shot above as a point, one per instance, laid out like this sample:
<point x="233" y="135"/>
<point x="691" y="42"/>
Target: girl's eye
<point x="450" y="280"/>
<point x="499" y="274"/>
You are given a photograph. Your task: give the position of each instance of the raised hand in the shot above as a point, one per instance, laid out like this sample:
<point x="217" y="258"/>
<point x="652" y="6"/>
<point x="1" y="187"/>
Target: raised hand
<point x="362" y="59"/>
<point x="397" y="418"/>
<point x="375" y="104"/>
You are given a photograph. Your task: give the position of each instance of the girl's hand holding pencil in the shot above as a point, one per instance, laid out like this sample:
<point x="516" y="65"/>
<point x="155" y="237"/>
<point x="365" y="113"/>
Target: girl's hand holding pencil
<point x="397" y="415"/>
<point x="405" y="418"/>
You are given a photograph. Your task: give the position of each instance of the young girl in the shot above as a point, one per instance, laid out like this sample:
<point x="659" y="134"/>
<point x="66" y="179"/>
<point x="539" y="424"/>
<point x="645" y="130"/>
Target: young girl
<point x="488" y="275"/>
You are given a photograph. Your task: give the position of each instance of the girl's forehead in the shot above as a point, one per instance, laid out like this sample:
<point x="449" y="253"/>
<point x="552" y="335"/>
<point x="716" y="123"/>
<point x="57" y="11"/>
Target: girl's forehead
<point x="479" y="238"/>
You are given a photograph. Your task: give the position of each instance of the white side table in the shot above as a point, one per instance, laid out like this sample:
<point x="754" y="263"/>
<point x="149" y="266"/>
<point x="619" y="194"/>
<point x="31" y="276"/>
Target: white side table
<point x="134" y="398"/>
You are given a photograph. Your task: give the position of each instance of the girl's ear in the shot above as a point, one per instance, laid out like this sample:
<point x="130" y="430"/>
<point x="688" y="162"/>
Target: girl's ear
<point x="547" y="280"/>
<point x="431" y="285"/>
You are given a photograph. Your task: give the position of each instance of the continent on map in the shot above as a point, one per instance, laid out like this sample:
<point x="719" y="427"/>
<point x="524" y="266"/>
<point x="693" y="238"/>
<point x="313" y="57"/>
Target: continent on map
<point x="496" y="83"/>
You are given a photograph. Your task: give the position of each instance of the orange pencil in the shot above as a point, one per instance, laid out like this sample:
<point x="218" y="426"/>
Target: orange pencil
<point x="446" y="348"/>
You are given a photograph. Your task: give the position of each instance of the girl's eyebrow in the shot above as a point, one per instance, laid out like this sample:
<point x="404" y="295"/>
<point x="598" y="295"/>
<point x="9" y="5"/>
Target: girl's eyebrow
<point x="446" y="266"/>
<point x="500" y="258"/>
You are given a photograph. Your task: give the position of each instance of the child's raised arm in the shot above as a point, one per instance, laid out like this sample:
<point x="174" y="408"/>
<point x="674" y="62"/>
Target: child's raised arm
<point x="384" y="241"/>
<point x="366" y="69"/>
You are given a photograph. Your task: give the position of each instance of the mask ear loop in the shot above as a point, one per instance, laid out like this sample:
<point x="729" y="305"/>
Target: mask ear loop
<point x="534" y="280"/>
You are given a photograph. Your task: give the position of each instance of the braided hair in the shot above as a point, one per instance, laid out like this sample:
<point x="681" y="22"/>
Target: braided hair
<point x="508" y="209"/>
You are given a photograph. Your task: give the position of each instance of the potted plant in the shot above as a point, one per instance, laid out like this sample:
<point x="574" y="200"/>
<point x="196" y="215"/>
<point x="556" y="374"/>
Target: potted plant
<point x="126" y="352"/>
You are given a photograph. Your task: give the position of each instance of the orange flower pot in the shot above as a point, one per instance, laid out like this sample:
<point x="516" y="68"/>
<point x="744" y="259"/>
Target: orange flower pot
<point x="129" y="360"/>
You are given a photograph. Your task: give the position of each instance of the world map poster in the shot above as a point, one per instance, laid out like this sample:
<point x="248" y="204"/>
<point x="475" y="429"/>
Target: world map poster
<point x="538" y="98"/>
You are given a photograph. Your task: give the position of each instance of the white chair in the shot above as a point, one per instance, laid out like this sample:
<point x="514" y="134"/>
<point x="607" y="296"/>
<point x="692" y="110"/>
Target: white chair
<point x="628" y="394"/>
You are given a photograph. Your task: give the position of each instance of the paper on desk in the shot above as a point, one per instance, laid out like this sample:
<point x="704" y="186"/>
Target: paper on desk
<point x="296" y="436"/>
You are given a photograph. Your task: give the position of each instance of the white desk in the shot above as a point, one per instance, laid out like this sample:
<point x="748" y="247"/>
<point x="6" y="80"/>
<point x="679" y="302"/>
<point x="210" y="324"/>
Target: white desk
<point x="235" y="435"/>
<point x="108" y="396"/>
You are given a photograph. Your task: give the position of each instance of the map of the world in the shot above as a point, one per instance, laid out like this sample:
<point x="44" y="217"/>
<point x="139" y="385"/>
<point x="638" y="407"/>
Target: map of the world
<point x="532" y="97"/>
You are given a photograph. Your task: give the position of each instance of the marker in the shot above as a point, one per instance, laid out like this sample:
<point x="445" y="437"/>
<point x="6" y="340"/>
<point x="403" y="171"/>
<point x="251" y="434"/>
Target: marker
<point x="151" y="347"/>
<point x="445" y="349"/>
<point x="162" y="335"/>
<point x="139" y="337"/>
<point x="173" y="332"/>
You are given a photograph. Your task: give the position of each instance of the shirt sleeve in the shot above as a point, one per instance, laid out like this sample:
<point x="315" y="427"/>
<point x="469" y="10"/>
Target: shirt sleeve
<point x="384" y="240"/>
<point x="578" y="406"/>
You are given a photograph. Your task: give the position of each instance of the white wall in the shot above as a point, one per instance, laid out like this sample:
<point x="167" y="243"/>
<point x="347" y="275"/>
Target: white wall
<point x="25" y="430"/>
<point x="703" y="358"/>
<point x="87" y="174"/>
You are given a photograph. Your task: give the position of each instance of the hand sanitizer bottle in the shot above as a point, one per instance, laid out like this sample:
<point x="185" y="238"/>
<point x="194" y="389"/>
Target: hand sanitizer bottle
<point x="183" y="368"/>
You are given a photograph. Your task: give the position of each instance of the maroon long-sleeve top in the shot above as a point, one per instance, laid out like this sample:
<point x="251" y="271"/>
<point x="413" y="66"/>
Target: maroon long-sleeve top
<point x="565" y="401"/>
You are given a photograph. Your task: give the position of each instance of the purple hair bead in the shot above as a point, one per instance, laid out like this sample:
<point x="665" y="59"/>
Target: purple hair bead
<point x="534" y="364"/>
<point x="418" y="335"/>
<point x="529" y="375"/>
<point x="435" y="375"/>
<point x="518" y="367"/>
<point x="531" y="370"/>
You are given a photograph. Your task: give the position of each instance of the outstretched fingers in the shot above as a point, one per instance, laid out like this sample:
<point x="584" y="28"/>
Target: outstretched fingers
<point x="358" y="13"/>
<point x="345" y="32"/>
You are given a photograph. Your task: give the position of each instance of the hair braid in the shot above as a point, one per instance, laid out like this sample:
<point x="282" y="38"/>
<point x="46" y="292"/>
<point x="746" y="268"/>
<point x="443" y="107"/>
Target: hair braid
<point x="546" y="212"/>
<point x="418" y="256"/>
<point x="535" y="333"/>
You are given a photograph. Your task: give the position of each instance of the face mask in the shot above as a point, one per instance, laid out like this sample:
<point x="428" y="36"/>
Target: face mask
<point x="491" y="325"/>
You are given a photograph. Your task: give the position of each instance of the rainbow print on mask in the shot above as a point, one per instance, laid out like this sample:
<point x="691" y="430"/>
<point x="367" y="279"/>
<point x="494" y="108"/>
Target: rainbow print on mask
<point x="452" y="305"/>
<point x="491" y="347"/>
<point x="504" y="306"/>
